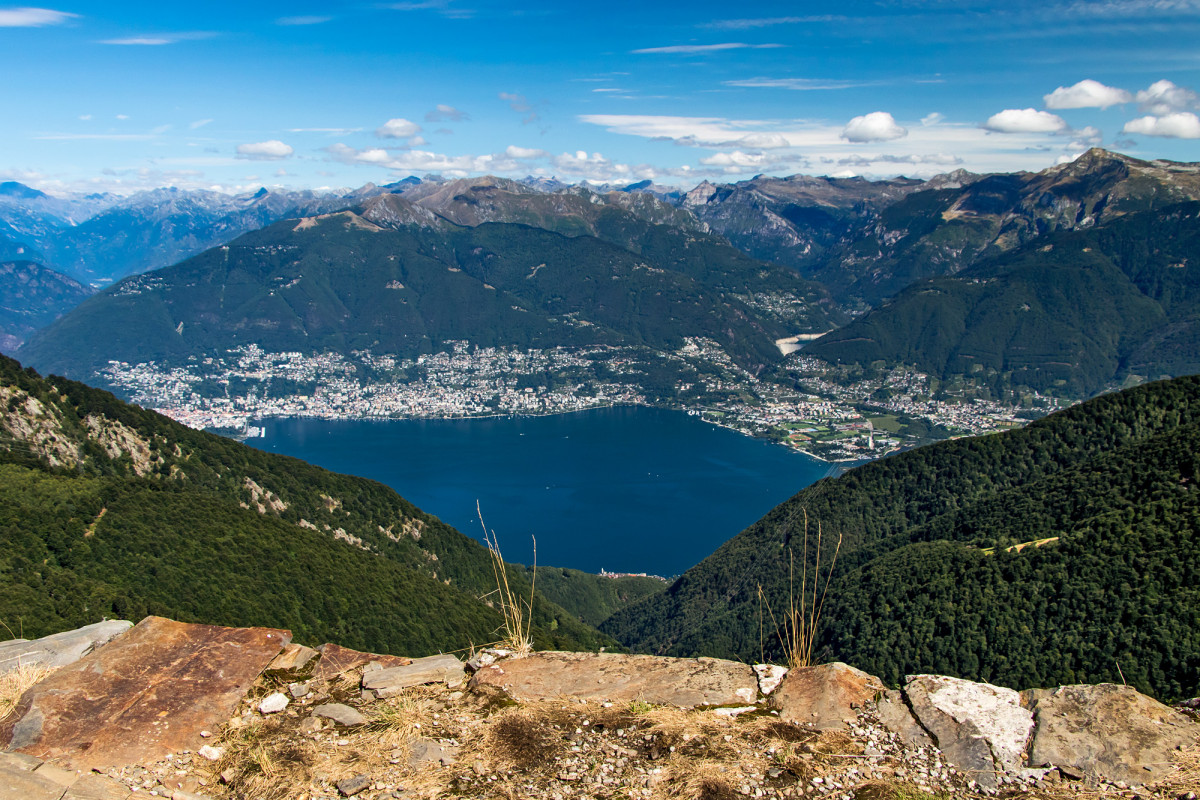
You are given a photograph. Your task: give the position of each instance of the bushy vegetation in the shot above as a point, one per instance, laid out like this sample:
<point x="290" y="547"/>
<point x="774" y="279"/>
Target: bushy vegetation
<point x="188" y="540"/>
<point x="1071" y="313"/>
<point x="326" y="288"/>
<point x="926" y="582"/>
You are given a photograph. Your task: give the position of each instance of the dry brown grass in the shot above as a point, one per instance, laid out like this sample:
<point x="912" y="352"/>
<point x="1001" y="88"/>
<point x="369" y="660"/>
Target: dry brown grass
<point x="14" y="683"/>
<point x="524" y="738"/>
<point x="517" y="612"/>
<point x="797" y="634"/>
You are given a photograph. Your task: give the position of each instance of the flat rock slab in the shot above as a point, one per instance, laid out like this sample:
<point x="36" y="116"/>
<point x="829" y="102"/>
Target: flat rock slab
<point x="432" y="669"/>
<point x="22" y="784"/>
<point x="144" y="695"/>
<point x="980" y="728"/>
<point x="340" y="713"/>
<point x="336" y="659"/>
<point x="294" y="658"/>
<point x="683" y="682"/>
<point x="97" y="787"/>
<point x="59" y="649"/>
<point x="895" y="716"/>
<point x="826" y="696"/>
<point x="1108" y="731"/>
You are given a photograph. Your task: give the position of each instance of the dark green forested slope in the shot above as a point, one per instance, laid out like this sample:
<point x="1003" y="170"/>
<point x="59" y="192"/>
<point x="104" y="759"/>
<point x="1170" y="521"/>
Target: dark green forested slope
<point x="143" y="515"/>
<point x="1073" y="312"/>
<point x="593" y="598"/>
<point x="924" y="582"/>
<point x="343" y="283"/>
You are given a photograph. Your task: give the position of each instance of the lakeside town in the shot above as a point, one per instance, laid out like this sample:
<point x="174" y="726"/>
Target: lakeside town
<point x="806" y="404"/>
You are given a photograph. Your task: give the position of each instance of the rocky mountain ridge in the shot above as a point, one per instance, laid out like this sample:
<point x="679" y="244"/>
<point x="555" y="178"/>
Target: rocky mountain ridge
<point x="142" y="709"/>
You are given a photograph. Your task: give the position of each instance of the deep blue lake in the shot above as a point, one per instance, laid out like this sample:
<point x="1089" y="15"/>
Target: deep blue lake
<point x="625" y="489"/>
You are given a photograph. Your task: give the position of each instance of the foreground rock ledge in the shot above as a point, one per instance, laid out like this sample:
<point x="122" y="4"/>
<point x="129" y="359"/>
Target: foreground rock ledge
<point x="600" y="677"/>
<point x="143" y="695"/>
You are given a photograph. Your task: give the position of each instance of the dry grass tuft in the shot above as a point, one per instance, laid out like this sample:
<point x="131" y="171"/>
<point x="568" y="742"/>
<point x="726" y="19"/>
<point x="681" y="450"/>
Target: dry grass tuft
<point x="14" y="683"/>
<point x="517" y="612"/>
<point x="707" y="782"/>
<point x="264" y="765"/>
<point x="884" y="790"/>
<point x="798" y="633"/>
<point x="524" y="738"/>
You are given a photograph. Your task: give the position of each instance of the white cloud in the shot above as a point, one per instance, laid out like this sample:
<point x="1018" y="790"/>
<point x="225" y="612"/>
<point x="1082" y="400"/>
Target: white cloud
<point x="200" y="123"/>
<point x="270" y="150"/>
<point x="1086" y="94"/>
<point x="302" y="20"/>
<point x="512" y="151"/>
<point x="519" y="104"/>
<point x="445" y="113"/>
<point x="878" y="126"/>
<point x="85" y="117"/>
<point x="696" y="49"/>
<point x="1164" y="97"/>
<point x="737" y="158"/>
<point x="1180" y="125"/>
<point x="122" y="116"/>
<point x="796" y="84"/>
<point x="1085" y="138"/>
<point x="158" y="39"/>
<point x="765" y="22"/>
<point x="1025" y="120"/>
<point x="32" y="17"/>
<point x="398" y="128"/>
<point x="932" y="119"/>
<point x="331" y="131"/>
<point x="417" y="141"/>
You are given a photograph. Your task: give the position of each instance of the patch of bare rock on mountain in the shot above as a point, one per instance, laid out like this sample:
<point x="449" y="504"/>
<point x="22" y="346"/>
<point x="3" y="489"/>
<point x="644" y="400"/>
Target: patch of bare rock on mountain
<point x="175" y="710"/>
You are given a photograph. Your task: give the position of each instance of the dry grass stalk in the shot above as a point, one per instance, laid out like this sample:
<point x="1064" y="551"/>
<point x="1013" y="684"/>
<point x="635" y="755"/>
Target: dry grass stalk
<point x="15" y="682"/>
<point x="517" y="612"/>
<point x="798" y="634"/>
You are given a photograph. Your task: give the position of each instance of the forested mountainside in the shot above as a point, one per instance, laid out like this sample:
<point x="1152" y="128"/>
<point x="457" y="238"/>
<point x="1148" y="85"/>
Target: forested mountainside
<point x="1063" y="552"/>
<point x="1073" y="312"/>
<point x="31" y="297"/>
<point x="867" y="240"/>
<point x="108" y="510"/>
<point x="398" y="280"/>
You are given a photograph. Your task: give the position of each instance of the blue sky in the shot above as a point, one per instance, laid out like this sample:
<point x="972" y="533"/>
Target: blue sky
<point x="122" y="96"/>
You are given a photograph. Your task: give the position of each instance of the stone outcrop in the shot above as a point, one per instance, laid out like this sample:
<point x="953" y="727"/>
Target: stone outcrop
<point x="1107" y="731"/>
<point x="825" y="696"/>
<point x="619" y="678"/>
<point x="145" y="694"/>
<point x="390" y="681"/>
<point x="982" y="729"/>
<point x="163" y="691"/>
<point x="59" y="649"/>
<point x="336" y="659"/>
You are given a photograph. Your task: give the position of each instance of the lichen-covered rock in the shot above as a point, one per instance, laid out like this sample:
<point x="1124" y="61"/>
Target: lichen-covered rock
<point x="433" y="669"/>
<point x="825" y="696"/>
<point x="59" y="649"/>
<point x="982" y="729"/>
<point x="1108" y="731"/>
<point x="683" y="682"/>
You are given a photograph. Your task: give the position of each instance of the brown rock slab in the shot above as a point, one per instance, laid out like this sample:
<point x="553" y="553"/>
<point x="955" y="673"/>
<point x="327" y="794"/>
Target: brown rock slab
<point x="19" y="761"/>
<point x="97" y="787"/>
<point x="683" y="682"/>
<point x="148" y="693"/>
<point x="341" y="714"/>
<point x="21" y="784"/>
<point x="336" y="659"/>
<point x="294" y="658"/>
<point x="59" y="649"/>
<point x="1108" y="731"/>
<point x="896" y="717"/>
<point x="433" y="669"/>
<point x="825" y="696"/>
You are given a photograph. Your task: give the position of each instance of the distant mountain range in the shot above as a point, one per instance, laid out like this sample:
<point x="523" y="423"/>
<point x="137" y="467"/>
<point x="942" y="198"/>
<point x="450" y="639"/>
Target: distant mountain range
<point x="31" y="297"/>
<point x="396" y="278"/>
<point x="937" y="264"/>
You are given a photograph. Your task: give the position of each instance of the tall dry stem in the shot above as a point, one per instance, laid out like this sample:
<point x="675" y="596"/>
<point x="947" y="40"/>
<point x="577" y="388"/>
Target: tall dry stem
<point x="798" y="634"/>
<point x="517" y="612"/>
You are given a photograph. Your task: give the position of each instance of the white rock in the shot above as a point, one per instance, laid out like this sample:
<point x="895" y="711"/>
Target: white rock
<point x="273" y="703"/>
<point x="769" y="676"/>
<point x="211" y="753"/>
